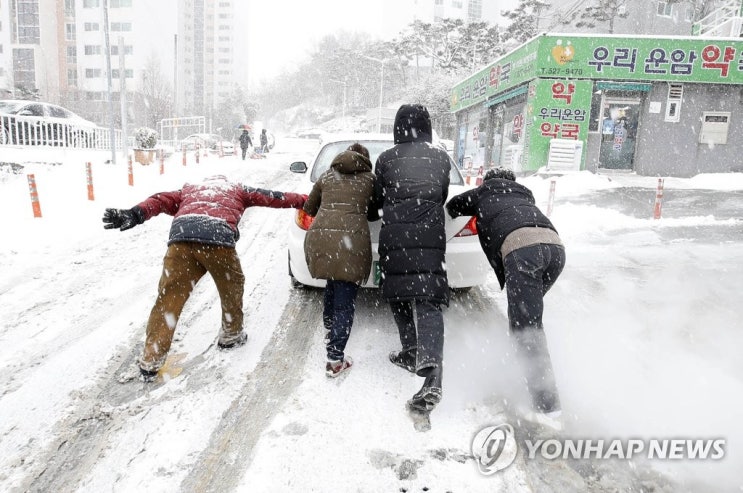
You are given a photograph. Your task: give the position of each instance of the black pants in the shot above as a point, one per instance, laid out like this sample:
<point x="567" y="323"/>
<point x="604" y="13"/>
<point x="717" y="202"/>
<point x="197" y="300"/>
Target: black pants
<point x="338" y="312"/>
<point x="530" y="273"/>
<point x="427" y="337"/>
<point x="245" y="150"/>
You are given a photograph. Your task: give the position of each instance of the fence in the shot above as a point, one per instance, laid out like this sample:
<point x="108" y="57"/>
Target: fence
<point x="32" y="130"/>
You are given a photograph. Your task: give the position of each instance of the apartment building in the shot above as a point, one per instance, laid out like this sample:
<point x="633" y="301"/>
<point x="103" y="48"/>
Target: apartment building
<point x="205" y="55"/>
<point x="56" y="50"/>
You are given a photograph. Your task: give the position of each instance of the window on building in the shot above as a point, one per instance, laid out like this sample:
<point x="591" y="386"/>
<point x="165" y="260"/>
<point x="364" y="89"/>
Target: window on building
<point x="24" y="67"/>
<point x="1" y="48"/>
<point x="69" y="32"/>
<point x="72" y="77"/>
<point x="69" y="7"/>
<point x="91" y="4"/>
<point x="665" y="9"/>
<point x="128" y="50"/>
<point x="121" y="26"/>
<point x="689" y="14"/>
<point x="457" y="4"/>
<point x="27" y="22"/>
<point x="224" y="50"/>
<point x="92" y="49"/>
<point x="128" y="73"/>
<point x="439" y="2"/>
<point x="120" y="3"/>
<point x="71" y="55"/>
<point x="92" y="73"/>
<point x="92" y="26"/>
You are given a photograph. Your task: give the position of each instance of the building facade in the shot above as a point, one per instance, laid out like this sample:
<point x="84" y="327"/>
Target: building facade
<point x="666" y="106"/>
<point x="205" y="55"/>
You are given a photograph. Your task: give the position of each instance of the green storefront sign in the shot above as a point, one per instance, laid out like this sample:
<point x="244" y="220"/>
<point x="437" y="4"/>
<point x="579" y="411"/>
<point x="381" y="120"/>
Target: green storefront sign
<point x="555" y="109"/>
<point x="718" y="61"/>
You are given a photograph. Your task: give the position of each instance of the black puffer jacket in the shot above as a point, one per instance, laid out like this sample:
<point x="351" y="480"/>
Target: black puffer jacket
<point x="501" y="206"/>
<point x="411" y="188"/>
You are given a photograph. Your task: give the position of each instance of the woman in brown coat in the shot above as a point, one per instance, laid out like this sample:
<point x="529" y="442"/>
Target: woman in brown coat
<point x="338" y="245"/>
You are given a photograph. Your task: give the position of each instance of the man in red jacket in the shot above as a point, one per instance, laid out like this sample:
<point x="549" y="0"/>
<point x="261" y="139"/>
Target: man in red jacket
<point x="202" y="239"/>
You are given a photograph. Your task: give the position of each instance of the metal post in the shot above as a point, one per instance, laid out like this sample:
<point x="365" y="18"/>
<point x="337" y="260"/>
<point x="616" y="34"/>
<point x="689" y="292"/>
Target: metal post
<point x="107" y="45"/>
<point x="122" y="97"/>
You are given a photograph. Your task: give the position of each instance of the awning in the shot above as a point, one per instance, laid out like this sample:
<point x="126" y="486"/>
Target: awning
<point x="506" y="95"/>
<point x="605" y="85"/>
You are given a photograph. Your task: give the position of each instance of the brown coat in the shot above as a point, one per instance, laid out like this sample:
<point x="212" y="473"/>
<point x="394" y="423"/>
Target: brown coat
<point x="338" y="244"/>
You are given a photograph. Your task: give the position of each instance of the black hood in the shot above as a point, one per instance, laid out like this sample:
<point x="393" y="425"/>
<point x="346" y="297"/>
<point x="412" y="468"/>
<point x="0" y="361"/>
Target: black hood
<point x="412" y="124"/>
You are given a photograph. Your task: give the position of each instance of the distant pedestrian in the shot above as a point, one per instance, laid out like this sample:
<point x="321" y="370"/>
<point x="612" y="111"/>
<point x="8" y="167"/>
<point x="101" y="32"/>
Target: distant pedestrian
<point x="202" y="239"/>
<point x="411" y="188"/>
<point x="338" y="245"/>
<point x="245" y="142"/>
<point x="527" y="255"/>
<point x="264" y="141"/>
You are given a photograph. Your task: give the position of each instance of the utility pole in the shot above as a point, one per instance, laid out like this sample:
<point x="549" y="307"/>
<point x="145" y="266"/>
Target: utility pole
<point x="109" y="95"/>
<point x="122" y="97"/>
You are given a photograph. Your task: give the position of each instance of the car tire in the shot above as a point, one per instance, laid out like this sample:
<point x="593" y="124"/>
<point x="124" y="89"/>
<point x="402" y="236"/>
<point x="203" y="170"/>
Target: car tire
<point x="293" y="280"/>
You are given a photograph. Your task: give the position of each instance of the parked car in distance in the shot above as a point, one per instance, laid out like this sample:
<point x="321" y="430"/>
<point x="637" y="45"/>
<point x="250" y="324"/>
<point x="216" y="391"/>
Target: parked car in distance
<point x="39" y="123"/>
<point x="225" y="147"/>
<point x="201" y="140"/>
<point x="466" y="264"/>
<point x="212" y="142"/>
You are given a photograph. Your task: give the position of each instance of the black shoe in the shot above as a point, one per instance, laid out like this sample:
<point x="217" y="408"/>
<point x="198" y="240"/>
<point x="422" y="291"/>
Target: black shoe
<point x="404" y="359"/>
<point x="147" y="376"/>
<point x="236" y="343"/>
<point x="430" y="394"/>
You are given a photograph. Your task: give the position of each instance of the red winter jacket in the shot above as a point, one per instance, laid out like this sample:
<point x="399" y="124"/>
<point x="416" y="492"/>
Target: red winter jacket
<point x="209" y="212"/>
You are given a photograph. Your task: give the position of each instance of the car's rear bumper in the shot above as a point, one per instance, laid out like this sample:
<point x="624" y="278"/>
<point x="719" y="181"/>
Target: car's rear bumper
<point x="466" y="264"/>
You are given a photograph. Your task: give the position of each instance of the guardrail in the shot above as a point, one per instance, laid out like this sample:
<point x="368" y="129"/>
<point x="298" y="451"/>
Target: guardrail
<point x="34" y="131"/>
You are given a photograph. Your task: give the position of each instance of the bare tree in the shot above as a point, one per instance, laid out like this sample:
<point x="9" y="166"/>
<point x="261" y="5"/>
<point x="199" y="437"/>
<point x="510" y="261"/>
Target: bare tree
<point x="600" y="12"/>
<point x="155" y="100"/>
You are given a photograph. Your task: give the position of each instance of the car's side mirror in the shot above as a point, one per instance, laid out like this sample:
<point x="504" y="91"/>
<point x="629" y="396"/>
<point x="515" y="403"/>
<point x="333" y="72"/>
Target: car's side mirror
<point x="298" y="167"/>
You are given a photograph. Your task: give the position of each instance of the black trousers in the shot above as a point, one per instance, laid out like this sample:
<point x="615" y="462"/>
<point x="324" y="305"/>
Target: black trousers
<point x="530" y="272"/>
<point x="426" y="337"/>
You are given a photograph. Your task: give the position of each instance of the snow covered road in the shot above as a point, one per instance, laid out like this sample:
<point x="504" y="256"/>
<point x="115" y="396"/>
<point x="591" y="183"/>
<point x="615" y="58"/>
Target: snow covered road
<point x="642" y="325"/>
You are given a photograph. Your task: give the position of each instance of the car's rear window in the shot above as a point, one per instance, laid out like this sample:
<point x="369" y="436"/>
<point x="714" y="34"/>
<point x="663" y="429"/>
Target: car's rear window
<point x="376" y="147"/>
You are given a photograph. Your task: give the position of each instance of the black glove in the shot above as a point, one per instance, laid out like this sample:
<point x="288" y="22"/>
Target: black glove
<point x="123" y="218"/>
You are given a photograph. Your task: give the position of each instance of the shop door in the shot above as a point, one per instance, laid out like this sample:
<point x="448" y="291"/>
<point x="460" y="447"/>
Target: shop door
<point x="618" y="133"/>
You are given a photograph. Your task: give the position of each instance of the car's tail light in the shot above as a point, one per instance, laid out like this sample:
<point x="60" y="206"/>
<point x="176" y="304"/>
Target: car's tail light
<point x="470" y="229"/>
<point x="303" y="219"/>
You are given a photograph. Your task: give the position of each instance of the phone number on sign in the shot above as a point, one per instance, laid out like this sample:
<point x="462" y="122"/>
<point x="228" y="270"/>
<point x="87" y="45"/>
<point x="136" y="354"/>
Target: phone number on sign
<point x="561" y="71"/>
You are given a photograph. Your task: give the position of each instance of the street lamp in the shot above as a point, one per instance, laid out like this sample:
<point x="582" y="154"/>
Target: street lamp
<point x="381" y="89"/>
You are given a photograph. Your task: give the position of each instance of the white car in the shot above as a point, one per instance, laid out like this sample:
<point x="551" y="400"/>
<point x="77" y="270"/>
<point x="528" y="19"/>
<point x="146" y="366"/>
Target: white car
<point x="38" y="123"/>
<point x="466" y="264"/>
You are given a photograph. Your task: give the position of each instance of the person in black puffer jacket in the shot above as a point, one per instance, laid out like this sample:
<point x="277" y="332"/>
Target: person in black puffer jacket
<point x="411" y="189"/>
<point x="526" y="253"/>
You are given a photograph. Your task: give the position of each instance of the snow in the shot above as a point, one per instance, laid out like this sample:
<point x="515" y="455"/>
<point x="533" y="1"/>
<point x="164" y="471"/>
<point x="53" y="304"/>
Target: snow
<point x="642" y="327"/>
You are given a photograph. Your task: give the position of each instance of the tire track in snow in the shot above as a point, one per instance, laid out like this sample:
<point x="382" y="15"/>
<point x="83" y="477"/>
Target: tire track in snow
<point x="229" y="453"/>
<point x="84" y="437"/>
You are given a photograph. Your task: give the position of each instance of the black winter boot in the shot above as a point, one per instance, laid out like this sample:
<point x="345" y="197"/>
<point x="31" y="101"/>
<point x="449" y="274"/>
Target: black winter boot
<point x="430" y="394"/>
<point x="404" y="359"/>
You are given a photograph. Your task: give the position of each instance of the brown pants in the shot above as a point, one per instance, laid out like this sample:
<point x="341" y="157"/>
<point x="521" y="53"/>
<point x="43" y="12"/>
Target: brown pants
<point x="184" y="264"/>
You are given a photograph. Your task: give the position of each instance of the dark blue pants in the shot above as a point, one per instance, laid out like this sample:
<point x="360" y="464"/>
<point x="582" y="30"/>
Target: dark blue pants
<point x="530" y="273"/>
<point x="338" y="311"/>
<point x="426" y="337"/>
